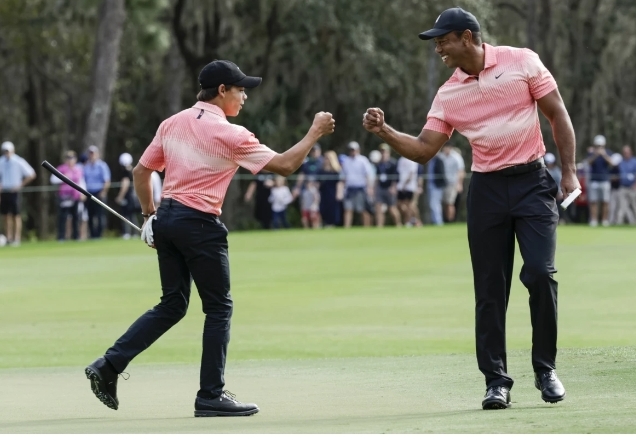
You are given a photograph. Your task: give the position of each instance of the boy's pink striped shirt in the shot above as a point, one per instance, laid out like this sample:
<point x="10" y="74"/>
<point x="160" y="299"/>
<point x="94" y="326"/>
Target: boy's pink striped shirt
<point x="496" y="110"/>
<point x="200" y="152"/>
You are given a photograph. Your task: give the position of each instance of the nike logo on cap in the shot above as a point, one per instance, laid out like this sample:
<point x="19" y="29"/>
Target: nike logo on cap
<point x="497" y="77"/>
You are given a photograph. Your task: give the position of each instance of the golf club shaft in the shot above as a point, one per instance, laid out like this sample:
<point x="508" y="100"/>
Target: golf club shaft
<point x="72" y="184"/>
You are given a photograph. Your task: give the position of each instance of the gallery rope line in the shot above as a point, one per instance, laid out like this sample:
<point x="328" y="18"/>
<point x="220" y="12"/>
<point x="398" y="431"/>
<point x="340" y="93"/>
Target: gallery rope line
<point x="237" y="177"/>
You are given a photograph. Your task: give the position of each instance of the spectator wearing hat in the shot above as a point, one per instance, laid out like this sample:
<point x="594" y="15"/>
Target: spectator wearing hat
<point x="97" y="176"/>
<point x="126" y="198"/>
<point x="69" y="198"/>
<point x="15" y="173"/>
<point x="386" y="187"/>
<point x="358" y="180"/>
<point x="599" y="188"/>
<point x="627" y="187"/>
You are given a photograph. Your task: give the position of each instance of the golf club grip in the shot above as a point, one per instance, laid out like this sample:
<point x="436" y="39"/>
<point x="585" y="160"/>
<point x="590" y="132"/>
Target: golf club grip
<point x="66" y="180"/>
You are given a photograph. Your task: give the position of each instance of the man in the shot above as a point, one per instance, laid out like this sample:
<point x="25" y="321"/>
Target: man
<point x="627" y="190"/>
<point x="15" y="173"/>
<point x="200" y="152"/>
<point x="358" y="181"/>
<point x="454" y="172"/>
<point x="386" y="187"/>
<point x="600" y="162"/>
<point x="97" y="177"/>
<point x="491" y="99"/>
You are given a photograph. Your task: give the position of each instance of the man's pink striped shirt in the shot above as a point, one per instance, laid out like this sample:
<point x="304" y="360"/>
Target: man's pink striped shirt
<point x="496" y="110"/>
<point x="201" y="151"/>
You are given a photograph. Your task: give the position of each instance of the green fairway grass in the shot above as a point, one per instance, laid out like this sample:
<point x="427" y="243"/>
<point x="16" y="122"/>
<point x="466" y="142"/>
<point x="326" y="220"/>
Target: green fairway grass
<point x="369" y="311"/>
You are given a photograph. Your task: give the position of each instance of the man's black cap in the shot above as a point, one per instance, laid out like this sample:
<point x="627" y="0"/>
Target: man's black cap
<point x="225" y="72"/>
<point x="453" y="19"/>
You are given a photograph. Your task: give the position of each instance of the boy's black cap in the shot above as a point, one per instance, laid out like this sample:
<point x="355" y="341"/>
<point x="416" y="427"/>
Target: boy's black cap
<point x="225" y="72"/>
<point x="453" y="19"/>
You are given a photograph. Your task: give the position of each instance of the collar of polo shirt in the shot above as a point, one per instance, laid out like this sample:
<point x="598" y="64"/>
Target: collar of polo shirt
<point x="209" y="108"/>
<point x="490" y="60"/>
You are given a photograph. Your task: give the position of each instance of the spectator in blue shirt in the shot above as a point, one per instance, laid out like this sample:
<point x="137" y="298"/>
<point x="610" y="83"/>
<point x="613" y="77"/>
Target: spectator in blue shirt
<point x="97" y="177"/>
<point x="627" y="189"/>
<point x="600" y="162"/>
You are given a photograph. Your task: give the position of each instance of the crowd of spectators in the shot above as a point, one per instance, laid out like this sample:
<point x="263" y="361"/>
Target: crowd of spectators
<point x="353" y="189"/>
<point x="329" y="190"/>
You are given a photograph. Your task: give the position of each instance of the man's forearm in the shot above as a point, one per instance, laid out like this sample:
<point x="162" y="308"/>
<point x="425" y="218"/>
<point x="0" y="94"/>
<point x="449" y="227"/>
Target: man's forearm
<point x="563" y="134"/>
<point x="295" y="156"/>
<point x="143" y="188"/>
<point x="406" y="145"/>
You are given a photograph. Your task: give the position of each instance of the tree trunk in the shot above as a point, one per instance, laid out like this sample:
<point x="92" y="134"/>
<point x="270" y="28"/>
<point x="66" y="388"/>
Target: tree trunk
<point x="112" y="15"/>
<point x="432" y="78"/>
<point x="175" y="72"/>
<point x="531" y="21"/>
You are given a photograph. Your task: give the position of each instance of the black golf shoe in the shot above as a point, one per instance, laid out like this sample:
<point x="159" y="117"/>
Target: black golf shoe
<point x="224" y="405"/>
<point x="497" y="397"/>
<point x="552" y="390"/>
<point x="103" y="382"/>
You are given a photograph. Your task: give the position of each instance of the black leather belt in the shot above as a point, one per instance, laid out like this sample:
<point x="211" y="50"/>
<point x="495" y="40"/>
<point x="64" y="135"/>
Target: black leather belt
<point x="168" y="202"/>
<point x="521" y="169"/>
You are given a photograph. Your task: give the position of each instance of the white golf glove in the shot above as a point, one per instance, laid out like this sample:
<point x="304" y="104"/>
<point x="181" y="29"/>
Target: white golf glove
<point x="146" y="232"/>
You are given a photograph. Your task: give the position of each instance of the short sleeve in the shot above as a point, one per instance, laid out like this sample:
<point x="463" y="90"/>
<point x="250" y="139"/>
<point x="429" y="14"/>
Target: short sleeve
<point x="460" y="162"/>
<point x="540" y="80"/>
<point x="106" y="171"/>
<point x="27" y="170"/>
<point x="250" y="153"/>
<point x="153" y="157"/>
<point x="435" y="120"/>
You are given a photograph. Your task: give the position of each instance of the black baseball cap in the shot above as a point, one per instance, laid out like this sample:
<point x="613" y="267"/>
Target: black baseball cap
<point x="453" y="19"/>
<point x="225" y="72"/>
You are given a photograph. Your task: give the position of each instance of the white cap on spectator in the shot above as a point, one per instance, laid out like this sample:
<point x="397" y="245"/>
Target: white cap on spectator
<point x="549" y="158"/>
<point x="616" y="158"/>
<point x="93" y="149"/>
<point x="353" y="145"/>
<point x="375" y="156"/>
<point x="8" y="146"/>
<point x="599" y="140"/>
<point x="125" y="159"/>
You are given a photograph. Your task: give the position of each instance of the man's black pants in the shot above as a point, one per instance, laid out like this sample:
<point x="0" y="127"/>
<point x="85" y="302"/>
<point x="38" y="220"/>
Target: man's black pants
<point x="95" y="217"/>
<point x="501" y="207"/>
<point x="190" y="245"/>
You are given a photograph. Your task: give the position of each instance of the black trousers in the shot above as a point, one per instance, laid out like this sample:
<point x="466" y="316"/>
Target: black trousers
<point x="95" y="217"/>
<point x="63" y="214"/>
<point x="190" y="245"/>
<point x="499" y="208"/>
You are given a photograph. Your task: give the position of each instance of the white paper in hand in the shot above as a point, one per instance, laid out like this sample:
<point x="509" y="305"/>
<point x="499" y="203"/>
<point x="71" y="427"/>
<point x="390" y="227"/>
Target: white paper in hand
<point x="146" y="232"/>
<point x="575" y="194"/>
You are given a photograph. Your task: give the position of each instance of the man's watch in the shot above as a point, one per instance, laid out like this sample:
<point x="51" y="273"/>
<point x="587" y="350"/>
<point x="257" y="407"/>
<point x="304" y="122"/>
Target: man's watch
<point x="148" y="215"/>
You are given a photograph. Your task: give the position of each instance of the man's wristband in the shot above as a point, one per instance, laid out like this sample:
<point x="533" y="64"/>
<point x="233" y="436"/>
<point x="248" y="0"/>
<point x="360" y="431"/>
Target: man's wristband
<point x="148" y="215"/>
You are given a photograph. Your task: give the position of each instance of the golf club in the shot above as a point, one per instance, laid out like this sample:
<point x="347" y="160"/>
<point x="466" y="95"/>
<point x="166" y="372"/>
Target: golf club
<point x="67" y="181"/>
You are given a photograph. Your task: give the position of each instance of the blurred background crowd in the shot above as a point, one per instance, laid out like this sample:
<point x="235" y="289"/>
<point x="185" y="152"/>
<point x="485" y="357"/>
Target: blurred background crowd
<point x="85" y="83"/>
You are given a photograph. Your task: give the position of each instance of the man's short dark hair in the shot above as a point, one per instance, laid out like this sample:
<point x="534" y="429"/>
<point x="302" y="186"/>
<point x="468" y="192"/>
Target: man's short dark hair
<point x="476" y="37"/>
<point x="210" y="93"/>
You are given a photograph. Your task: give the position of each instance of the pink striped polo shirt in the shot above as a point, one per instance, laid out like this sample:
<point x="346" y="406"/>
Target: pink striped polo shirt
<point x="201" y="151"/>
<point x="496" y="110"/>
